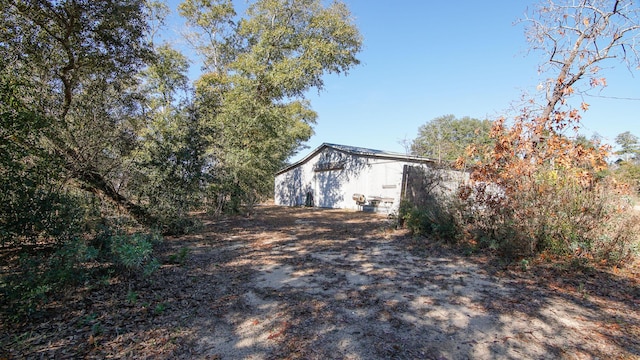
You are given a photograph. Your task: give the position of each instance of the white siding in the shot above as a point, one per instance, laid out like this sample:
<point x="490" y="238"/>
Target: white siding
<point x="333" y="174"/>
<point x="333" y="177"/>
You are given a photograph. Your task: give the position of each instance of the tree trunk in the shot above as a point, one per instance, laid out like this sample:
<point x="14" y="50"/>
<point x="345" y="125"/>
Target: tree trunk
<point x="96" y="183"/>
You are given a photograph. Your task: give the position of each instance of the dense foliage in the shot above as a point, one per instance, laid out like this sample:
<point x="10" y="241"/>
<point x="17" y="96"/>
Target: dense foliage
<point x="447" y="138"/>
<point x="257" y="71"/>
<point x="105" y="141"/>
<point x="627" y="167"/>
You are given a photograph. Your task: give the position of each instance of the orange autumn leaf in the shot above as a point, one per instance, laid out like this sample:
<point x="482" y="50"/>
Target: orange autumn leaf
<point x="574" y="114"/>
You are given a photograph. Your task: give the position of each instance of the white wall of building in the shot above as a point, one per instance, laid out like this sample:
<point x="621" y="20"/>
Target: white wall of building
<point x="333" y="177"/>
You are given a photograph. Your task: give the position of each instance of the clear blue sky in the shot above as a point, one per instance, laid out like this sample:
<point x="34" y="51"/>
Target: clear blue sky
<point x="424" y="59"/>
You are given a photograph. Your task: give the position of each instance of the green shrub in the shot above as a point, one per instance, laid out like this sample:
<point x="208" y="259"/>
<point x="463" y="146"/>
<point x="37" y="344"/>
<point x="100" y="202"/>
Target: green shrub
<point x="180" y="257"/>
<point x="151" y="267"/>
<point x="132" y="252"/>
<point x="41" y="273"/>
<point x="35" y="213"/>
<point x="178" y="224"/>
<point x="438" y="218"/>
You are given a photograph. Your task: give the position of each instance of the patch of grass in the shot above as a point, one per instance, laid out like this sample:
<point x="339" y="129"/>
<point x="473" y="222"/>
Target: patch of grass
<point x="97" y="328"/>
<point x="180" y="257"/>
<point x="87" y="319"/>
<point x="159" y="309"/>
<point x="132" y="297"/>
<point x="151" y="267"/>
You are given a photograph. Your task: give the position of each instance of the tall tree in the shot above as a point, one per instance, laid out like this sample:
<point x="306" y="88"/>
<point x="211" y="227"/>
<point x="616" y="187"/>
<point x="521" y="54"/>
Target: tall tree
<point x="447" y="138"/>
<point x="629" y="144"/>
<point x="258" y="69"/>
<point x="166" y="169"/>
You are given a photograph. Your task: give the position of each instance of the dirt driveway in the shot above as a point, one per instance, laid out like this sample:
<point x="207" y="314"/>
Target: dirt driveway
<point x="324" y="284"/>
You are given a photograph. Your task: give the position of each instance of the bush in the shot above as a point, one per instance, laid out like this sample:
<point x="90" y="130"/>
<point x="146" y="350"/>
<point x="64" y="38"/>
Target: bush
<point x="554" y="212"/>
<point x="179" y="224"/>
<point x="32" y="211"/>
<point x="629" y="172"/>
<point x="618" y="240"/>
<point x="42" y="273"/>
<point x="429" y="207"/>
<point x="133" y="252"/>
<point x="438" y="219"/>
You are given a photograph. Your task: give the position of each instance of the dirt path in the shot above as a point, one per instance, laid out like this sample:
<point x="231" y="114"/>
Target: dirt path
<point x="312" y="284"/>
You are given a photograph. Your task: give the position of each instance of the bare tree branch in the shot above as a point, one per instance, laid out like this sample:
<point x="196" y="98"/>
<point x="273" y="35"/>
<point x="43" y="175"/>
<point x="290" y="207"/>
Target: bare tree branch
<point x="580" y="36"/>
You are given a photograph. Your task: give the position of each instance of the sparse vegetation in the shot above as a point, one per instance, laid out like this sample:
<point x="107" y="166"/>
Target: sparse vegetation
<point x="180" y="257"/>
<point x="270" y="286"/>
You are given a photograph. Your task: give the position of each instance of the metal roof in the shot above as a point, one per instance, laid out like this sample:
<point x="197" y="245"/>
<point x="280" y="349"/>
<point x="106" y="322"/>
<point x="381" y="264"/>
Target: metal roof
<point x="366" y="152"/>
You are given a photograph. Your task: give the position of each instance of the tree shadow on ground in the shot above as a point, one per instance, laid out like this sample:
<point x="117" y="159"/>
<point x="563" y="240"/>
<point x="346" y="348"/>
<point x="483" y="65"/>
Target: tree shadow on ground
<point x="308" y="283"/>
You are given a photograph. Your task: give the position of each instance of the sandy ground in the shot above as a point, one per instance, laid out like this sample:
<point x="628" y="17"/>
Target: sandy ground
<point x="322" y="284"/>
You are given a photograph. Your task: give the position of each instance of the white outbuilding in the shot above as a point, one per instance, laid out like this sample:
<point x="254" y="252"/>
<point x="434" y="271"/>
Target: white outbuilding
<point x="348" y="177"/>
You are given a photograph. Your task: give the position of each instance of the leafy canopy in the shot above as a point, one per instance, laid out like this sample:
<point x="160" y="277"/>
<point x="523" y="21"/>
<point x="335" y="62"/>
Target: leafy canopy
<point x="258" y="69"/>
<point x="629" y="143"/>
<point x="447" y="138"/>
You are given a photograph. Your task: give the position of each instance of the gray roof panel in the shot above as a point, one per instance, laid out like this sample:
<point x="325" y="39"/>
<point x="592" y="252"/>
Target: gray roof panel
<point x="358" y="151"/>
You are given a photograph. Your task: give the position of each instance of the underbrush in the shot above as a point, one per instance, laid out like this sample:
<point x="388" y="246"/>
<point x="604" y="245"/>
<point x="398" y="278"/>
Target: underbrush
<point x="36" y="274"/>
<point x="550" y="215"/>
<point x="54" y="238"/>
<point x="436" y="217"/>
